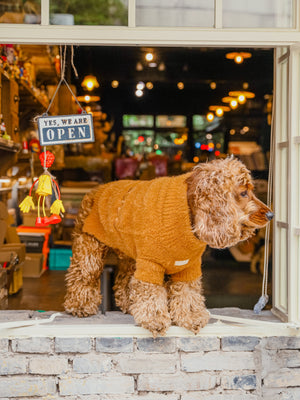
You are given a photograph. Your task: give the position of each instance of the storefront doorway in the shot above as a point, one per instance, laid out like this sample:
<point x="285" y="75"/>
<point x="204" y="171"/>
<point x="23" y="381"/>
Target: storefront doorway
<point x="168" y="120"/>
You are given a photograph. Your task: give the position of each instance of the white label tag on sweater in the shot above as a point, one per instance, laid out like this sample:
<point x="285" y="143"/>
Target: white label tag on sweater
<point x="183" y="262"/>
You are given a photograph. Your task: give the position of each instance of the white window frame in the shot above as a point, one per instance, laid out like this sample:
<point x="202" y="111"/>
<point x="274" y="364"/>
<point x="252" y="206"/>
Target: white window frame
<point x="213" y="37"/>
<point x="150" y="36"/>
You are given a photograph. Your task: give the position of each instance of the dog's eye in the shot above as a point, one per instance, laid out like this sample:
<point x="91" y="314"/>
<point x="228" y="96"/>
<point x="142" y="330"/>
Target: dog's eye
<point x="244" y="193"/>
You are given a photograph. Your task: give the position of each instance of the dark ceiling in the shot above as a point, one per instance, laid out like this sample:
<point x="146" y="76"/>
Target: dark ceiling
<point x="195" y="67"/>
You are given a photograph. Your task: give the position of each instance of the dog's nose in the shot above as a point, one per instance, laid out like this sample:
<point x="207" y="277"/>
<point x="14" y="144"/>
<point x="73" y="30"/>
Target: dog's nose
<point x="269" y="215"/>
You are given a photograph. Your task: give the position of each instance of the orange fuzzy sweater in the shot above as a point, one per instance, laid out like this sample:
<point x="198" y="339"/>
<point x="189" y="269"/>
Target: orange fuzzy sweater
<point x="149" y="222"/>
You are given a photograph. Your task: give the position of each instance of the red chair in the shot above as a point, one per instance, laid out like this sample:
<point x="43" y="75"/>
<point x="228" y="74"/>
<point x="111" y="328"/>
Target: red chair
<point x="126" y="168"/>
<point x="161" y="165"/>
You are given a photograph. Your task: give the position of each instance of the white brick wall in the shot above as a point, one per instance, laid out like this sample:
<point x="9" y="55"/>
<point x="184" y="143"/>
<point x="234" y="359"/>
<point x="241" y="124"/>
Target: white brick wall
<point x="48" y="365"/>
<point x="96" y="385"/>
<point x="18" y="386"/>
<point x="217" y="360"/>
<point x="176" y="383"/>
<point x="116" y="368"/>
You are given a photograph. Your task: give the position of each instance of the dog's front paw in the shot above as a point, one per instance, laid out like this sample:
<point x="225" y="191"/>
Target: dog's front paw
<point x="83" y="302"/>
<point x="193" y="321"/>
<point x="186" y="305"/>
<point x="149" y="306"/>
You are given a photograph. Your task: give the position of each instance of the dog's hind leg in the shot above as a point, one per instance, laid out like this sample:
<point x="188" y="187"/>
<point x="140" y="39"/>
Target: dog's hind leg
<point x="126" y="268"/>
<point x="83" y="277"/>
<point x="187" y="305"/>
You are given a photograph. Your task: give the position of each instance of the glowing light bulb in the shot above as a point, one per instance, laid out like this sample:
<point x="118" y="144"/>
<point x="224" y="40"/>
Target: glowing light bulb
<point x="180" y="85"/>
<point x="219" y="112"/>
<point x="233" y="104"/>
<point x="210" y="117"/>
<point x="238" y="59"/>
<point x="149" y="56"/>
<point x="90" y="82"/>
<point x="242" y="99"/>
<point x="115" y="84"/>
<point x="149" y="85"/>
<point x="140" y="85"/>
<point x="139" y="93"/>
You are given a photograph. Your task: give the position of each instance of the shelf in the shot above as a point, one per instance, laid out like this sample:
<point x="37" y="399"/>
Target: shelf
<point x="28" y="95"/>
<point x="9" y="145"/>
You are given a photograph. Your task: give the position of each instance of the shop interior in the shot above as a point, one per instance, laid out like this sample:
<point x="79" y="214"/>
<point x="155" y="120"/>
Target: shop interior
<point x="156" y="112"/>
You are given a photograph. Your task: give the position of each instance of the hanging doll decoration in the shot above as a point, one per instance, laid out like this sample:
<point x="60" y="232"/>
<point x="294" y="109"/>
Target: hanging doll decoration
<point x="46" y="186"/>
<point x="82" y="131"/>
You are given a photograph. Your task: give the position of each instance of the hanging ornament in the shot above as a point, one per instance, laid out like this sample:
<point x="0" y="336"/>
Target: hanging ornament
<point x="46" y="186"/>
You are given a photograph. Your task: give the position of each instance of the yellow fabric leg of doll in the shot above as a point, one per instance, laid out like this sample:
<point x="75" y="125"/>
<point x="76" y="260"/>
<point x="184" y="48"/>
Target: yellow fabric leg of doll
<point x="41" y="221"/>
<point x="44" y="212"/>
<point x="38" y="207"/>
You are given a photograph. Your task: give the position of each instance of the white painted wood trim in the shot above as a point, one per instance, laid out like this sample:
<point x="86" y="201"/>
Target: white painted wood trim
<point x="145" y="36"/>
<point x="218" y="14"/>
<point x="218" y="329"/>
<point x="293" y="187"/>
<point x="131" y="13"/>
<point x="280" y="301"/>
<point x="45" y="13"/>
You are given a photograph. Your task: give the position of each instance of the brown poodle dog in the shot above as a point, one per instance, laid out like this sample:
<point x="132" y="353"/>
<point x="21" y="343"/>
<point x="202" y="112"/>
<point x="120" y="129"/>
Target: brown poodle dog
<point x="160" y="229"/>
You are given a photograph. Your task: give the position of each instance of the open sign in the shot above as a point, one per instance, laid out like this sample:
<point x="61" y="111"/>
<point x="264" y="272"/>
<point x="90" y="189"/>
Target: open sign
<point x="64" y="129"/>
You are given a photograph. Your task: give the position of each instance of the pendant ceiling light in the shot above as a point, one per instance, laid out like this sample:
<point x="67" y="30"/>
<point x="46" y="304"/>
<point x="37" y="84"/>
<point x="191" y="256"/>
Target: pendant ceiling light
<point x="219" y="110"/>
<point x="88" y="99"/>
<point x="237" y="93"/>
<point x="90" y="82"/>
<point x="238" y="57"/>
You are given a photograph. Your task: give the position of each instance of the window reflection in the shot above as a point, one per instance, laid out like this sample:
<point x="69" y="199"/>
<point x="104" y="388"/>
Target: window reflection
<point x="88" y="12"/>
<point x="257" y="14"/>
<point x="175" y="13"/>
<point x="20" y="12"/>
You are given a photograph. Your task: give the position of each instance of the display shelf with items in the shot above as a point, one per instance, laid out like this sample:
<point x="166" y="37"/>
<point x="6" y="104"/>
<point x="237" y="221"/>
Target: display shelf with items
<point x="36" y="240"/>
<point x="12" y="257"/>
<point x="25" y="70"/>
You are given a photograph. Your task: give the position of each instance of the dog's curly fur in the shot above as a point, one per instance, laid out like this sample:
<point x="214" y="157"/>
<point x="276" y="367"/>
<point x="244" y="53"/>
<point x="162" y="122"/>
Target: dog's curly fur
<point x="223" y="211"/>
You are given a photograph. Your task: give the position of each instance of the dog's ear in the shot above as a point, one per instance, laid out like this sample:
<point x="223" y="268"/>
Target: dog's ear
<point x="214" y="212"/>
